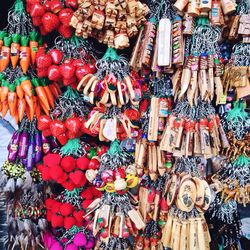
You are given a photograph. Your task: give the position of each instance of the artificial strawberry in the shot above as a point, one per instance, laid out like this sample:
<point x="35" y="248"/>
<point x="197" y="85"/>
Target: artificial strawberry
<point x="66" y="209"/>
<point x="69" y="222"/>
<point x="57" y="56"/>
<point x="82" y="71"/>
<point x="92" y="68"/>
<point x="78" y="215"/>
<point x="43" y="122"/>
<point x="46" y="5"/>
<point x="68" y="163"/>
<point x="73" y="124"/>
<point x="78" y="178"/>
<point x="37" y="10"/>
<point x="65" y="16"/>
<point x="55" y="6"/>
<point x="65" y="31"/>
<point x="47" y="133"/>
<point x="71" y="4"/>
<point x="43" y="61"/>
<point x="62" y="138"/>
<point x="94" y="164"/>
<point x="71" y="135"/>
<point x="37" y="21"/>
<point x="67" y="70"/>
<point x="78" y="62"/>
<point x="57" y="220"/>
<point x="57" y="128"/>
<point x="42" y="72"/>
<point x="50" y="21"/>
<point x="69" y="81"/>
<point x="82" y="163"/>
<point x="54" y="73"/>
<point x="43" y="31"/>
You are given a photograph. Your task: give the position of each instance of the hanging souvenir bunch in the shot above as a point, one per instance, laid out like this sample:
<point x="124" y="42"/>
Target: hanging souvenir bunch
<point x="148" y="156"/>
<point x="68" y="166"/>
<point x="26" y="217"/>
<point x="114" y="216"/>
<point x="67" y="62"/>
<point x="116" y="92"/>
<point x="65" y="211"/>
<point x="51" y="15"/>
<point x="110" y="22"/>
<point x="224" y="221"/>
<point x="21" y="91"/>
<point x="194" y="131"/>
<point x="231" y="180"/>
<point x="188" y="196"/>
<point x="153" y="208"/>
<point x="113" y="84"/>
<point x="202" y="70"/>
<point x="160" y="43"/>
<point x="66" y="120"/>
<point x="236" y="73"/>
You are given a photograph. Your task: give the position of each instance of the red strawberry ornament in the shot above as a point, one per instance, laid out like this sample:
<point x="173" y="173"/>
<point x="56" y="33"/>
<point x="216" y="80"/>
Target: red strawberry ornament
<point x="86" y="194"/>
<point x="78" y="63"/>
<point x="65" y="16"/>
<point x="68" y="163"/>
<point x="37" y="10"/>
<point x="66" y="209"/>
<point x="50" y="21"/>
<point x="82" y="163"/>
<point x="57" y="221"/>
<point x="71" y="4"/>
<point x="57" y="128"/>
<point x="65" y="31"/>
<point x="46" y="133"/>
<point x="55" y="6"/>
<point x="48" y="215"/>
<point x="92" y="68"/>
<point x="56" y="55"/>
<point x="69" y="81"/>
<point x="69" y="222"/>
<point x="54" y="73"/>
<point x="64" y="177"/>
<point x="51" y="159"/>
<point x="43" y="122"/>
<point x="46" y="5"/>
<point x="94" y="164"/>
<point x="68" y="185"/>
<point x="62" y="138"/>
<point x="82" y="71"/>
<point x="73" y="124"/>
<point x="43" y="60"/>
<point x="56" y="172"/>
<point x="77" y="177"/>
<point x="78" y="215"/>
<point x="42" y="72"/>
<point x="37" y="21"/>
<point x="67" y="70"/>
<point x="45" y="173"/>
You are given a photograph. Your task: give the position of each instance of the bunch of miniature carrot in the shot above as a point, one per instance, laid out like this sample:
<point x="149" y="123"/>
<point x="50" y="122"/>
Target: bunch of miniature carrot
<point x="27" y="96"/>
<point x="15" y="49"/>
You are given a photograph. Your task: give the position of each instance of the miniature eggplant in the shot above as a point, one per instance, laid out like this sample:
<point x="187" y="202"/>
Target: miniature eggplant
<point x="45" y="145"/>
<point x="31" y="154"/>
<point x="13" y="137"/>
<point x="13" y="147"/>
<point x="38" y="147"/>
<point x="23" y="145"/>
